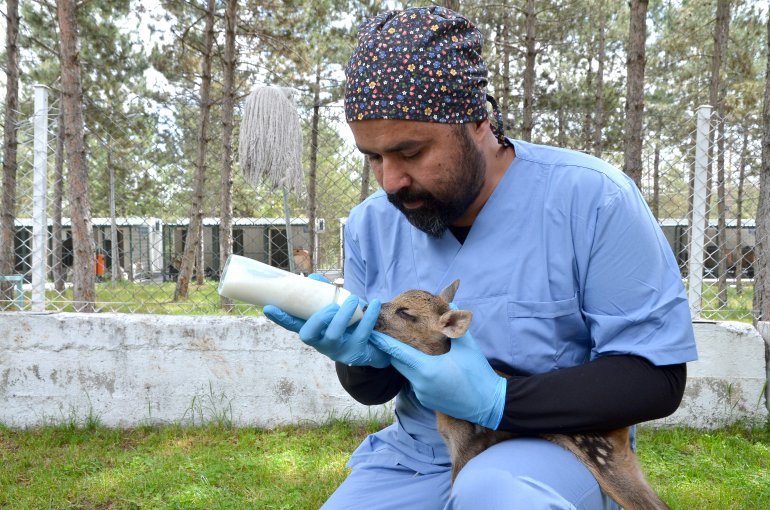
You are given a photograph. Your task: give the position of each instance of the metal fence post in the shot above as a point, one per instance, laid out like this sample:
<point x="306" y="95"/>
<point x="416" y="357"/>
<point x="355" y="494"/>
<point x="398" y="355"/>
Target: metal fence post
<point x="39" y="199"/>
<point x="699" y="213"/>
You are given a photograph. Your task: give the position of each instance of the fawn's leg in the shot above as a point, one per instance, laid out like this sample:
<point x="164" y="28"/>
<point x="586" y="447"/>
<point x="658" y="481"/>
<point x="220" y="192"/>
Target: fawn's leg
<point x="614" y="465"/>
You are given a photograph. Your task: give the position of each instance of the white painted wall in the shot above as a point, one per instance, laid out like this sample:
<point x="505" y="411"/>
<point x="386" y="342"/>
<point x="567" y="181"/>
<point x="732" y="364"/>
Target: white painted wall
<point x="728" y="381"/>
<point x="128" y="370"/>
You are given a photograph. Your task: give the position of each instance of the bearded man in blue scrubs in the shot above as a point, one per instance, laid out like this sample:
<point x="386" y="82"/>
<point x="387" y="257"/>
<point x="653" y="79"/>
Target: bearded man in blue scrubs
<point x="574" y="290"/>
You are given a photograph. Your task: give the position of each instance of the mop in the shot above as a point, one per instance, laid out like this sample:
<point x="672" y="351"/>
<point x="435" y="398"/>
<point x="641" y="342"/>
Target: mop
<point x="270" y="146"/>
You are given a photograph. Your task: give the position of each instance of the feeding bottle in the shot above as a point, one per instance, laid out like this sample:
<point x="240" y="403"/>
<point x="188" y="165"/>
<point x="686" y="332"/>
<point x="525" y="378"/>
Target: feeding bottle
<point x="252" y="281"/>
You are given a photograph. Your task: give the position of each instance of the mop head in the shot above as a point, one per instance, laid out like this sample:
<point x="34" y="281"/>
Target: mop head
<point x="270" y="144"/>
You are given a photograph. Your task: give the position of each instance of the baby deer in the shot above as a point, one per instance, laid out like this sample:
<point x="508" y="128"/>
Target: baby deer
<point x="425" y="322"/>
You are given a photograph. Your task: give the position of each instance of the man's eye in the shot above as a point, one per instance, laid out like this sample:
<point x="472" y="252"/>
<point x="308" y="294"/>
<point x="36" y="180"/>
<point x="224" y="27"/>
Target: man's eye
<point x="411" y="156"/>
<point x="373" y="158"/>
<point x="401" y="312"/>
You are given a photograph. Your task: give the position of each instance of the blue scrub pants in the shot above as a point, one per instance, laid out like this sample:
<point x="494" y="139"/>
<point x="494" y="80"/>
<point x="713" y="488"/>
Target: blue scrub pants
<point x="523" y="473"/>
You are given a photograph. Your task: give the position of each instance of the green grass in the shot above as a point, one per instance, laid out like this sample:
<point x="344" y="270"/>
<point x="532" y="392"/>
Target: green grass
<point x="152" y="298"/>
<point x="158" y="298"/>
<point x="173" y="467"/>
<point x="739" y="306"/>
<point x="212" y="467"/>
<point x="720" y="470"/>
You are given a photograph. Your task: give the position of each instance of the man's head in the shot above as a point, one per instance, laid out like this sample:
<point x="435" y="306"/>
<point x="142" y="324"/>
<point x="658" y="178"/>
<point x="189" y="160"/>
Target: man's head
<point x="416" y="102"/>
<point x="420" y="64"/>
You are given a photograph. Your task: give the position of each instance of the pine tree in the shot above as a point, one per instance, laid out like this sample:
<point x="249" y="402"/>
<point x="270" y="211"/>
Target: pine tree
<point x="10" y="150"/>
<point x="84" y="289"/>
<point x="637" y="36"/>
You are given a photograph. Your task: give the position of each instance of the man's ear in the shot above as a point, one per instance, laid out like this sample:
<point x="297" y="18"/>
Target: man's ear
<point x="481" y="129"/>
<point x="455" y="323"/>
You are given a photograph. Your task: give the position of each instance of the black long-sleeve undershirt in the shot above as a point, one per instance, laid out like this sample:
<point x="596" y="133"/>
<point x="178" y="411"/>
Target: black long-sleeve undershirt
<point x="369" y="385"/>
<point x="607" y="393"/>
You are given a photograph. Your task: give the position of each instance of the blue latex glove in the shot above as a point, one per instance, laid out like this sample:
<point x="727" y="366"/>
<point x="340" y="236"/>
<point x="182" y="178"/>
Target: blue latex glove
<point x="460" y="383"/>
<point x="327" y="331"/>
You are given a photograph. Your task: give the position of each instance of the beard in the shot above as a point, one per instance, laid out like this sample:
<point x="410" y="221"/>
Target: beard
<point x="460" y="187"/>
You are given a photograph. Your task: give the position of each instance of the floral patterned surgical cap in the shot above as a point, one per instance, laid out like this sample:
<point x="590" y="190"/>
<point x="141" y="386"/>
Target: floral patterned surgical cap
<point x="419" y="64"/>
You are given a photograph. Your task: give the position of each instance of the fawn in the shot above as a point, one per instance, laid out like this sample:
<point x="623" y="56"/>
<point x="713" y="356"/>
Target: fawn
<point x="425" y="322"/>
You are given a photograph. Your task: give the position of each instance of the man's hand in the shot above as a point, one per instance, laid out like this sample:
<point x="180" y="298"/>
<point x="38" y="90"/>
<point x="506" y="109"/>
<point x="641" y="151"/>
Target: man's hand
<point x="327" y="331"/>
<point x="460" y="383"/>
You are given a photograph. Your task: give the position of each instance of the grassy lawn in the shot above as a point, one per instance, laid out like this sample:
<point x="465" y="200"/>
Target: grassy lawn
<point x="738" y="307"/>
<point x="158" y="298"/>
<point x="297" y="468"/>
<point x="720" y="470"/>
<point x="173" y="467"/>
<point x="152" y="298"/>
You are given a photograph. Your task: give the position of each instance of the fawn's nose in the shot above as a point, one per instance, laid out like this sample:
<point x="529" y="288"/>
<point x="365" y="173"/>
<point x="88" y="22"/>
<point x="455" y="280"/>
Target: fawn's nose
<point x="378" y="323"/>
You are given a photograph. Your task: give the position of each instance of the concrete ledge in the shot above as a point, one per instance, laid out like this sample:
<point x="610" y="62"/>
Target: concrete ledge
<point x="129" y="370"/>
<point x="727" y="383"/>
<point x="764" y="330"/>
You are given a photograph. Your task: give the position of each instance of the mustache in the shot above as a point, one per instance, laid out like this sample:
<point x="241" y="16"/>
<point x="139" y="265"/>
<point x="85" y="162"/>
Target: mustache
<point x="406" y="195"/>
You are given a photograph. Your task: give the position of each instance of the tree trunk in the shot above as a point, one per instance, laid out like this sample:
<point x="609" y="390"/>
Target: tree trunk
<point x="655" y="206"/>
<point x="561" y="116"/>
<point x="452" y="4"/>
<point x="116" y="274"/>
<point x="720" y="46"/>
<point x="739" y="214"/>
<point x="505" y="100"/>
<point x="721" y="29"/>
<point x="365" y="178"/>
<point x="228" y="103"/>
<point x="529" y="70"/>
<point x="196" y="210"/>
<point x="588" y="125"/>
<point x="762" y="245"/>
<point x="10" y="150"/>
<point x="84" y="288"/>
<point x="200" y="257"/>
<point x="632" y="142"/>
<point x="716" y="98"/>
<point x="599" y="90"/>
<point x="312" y="177"/>
<point x="721" y="218"/>
<point x="59" y="271"/>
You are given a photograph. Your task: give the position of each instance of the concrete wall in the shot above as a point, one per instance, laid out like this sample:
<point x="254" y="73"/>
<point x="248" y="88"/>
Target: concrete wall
<point x="128" y="370"/>
<point x="728" y="381"/>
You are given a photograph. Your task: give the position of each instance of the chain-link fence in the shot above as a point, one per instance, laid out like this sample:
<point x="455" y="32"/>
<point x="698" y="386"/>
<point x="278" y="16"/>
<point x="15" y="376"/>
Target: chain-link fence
<point x="723" y="188"/>
<point x="138" y="257"/>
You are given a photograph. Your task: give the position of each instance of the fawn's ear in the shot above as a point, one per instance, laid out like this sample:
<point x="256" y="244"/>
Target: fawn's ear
<point x="455" y="323"/>
<point x="448" y="294"/>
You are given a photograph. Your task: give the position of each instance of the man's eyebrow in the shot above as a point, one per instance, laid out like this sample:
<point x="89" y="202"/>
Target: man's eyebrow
<point x="399" y="147"/>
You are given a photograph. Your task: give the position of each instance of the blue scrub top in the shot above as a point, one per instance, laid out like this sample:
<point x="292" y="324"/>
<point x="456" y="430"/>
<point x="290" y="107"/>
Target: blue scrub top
<point x="564" y="263"/>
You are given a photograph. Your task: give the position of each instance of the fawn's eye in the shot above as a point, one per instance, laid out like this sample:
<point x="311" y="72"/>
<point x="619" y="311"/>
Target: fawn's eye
<point x="401" y="312"/>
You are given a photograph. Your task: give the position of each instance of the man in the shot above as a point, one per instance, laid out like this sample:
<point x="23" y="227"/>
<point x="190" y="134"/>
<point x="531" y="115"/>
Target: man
<point x="573" y="288"/>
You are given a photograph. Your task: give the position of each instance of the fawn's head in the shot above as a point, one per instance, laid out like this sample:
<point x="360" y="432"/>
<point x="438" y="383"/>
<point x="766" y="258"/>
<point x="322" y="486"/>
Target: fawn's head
<point x="424" y="320"/>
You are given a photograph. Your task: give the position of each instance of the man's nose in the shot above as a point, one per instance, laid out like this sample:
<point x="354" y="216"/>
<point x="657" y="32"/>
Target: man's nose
<point x="394" y="177"/>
